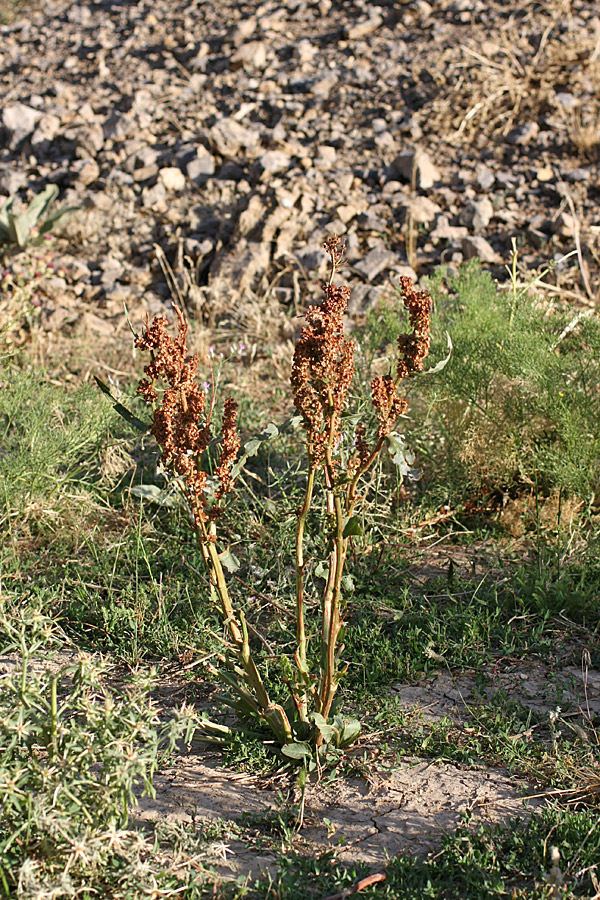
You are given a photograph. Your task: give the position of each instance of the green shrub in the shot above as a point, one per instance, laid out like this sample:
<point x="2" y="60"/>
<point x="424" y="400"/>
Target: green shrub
<point x="519" y="401"/>
<point x="72" y="752"/>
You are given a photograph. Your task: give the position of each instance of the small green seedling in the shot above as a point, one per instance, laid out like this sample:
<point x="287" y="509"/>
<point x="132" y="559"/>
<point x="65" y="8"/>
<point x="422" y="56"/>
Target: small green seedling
<point x="31" y="224"/>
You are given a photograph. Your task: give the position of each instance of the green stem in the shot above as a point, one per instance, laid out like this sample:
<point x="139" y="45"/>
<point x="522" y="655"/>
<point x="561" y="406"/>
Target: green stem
<point x="273" y="714"/>
<point x="330" y="625"/>
<point x="302" y="701"/>
<point x="337" y="560"/>
<point x="54" y="716"/>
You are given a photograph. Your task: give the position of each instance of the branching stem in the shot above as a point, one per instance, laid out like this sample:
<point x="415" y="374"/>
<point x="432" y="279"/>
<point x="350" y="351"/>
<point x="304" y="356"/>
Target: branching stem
<point x="302" y="700"/>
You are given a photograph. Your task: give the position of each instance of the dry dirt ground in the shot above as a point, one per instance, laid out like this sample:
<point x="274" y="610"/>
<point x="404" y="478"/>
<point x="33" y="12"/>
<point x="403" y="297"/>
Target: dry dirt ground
<point x="392" y="808"/>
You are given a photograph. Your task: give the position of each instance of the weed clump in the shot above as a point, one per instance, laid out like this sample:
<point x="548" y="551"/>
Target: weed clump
<point x="338" y="456"/>
<point x="72" y="753"/>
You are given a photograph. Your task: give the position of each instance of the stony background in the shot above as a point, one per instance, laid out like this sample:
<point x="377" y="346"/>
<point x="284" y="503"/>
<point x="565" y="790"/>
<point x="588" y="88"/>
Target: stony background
<point x="234" y="137"/>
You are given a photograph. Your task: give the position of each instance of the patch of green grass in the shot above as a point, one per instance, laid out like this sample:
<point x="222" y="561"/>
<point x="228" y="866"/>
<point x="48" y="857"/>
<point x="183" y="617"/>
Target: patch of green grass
<point x="483" y="863"/>
<point x="399" y="633"/>
<point x="134" y="595"/>
<point x="51" y="441"/>
<point x="72" y="753"/>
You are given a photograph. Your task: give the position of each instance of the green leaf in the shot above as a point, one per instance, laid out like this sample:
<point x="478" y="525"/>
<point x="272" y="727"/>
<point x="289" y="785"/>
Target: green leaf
<point x="270" y="432"/>
<point x="350" y="731"/>
<point x="151" y="493"/>
<point x="327" y="731"/>
<point x="20" y="228"/>
<point x="402" y="456"/>
<point x="23" y="222"/>
<point x="348" y="584"/>
<point x="129" y="417"/>
<point x="321" y="570"/>
<point x="352" y="527"/>
<point x="131" y="328"/>
<point x="244" y="709"/>
<point x="58" y="217"/>
<point x="444" y="362"/>
<point x="229" y="561"/>
<point x="122" y="410"/>
<point x="300" y="750"/>
<point x="290" y="424"/>
<point x="103" y="387"/>
<point x="251" y="447"/>
<point x="41" y="202"/>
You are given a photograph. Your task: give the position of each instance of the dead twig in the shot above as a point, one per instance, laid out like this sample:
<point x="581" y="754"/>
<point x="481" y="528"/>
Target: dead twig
<point x="358" y="886"/>
<point x="580" y="259"/>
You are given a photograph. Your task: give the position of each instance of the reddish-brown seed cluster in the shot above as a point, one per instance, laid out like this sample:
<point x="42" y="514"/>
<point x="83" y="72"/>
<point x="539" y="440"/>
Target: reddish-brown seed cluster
<point x="361" y="446"/>
<point x="179" y="423"/>
<point x="323" y="366"/>
<point x="414" y="347"/>
<point x="230" y="445"/>
<point x="388" y="405"/>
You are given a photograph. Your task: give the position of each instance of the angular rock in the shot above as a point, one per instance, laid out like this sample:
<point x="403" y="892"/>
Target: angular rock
<point x="155" y="198"/>
<point x="172" y="178"/>
<point x="199" y="168"/>
<point x="112" y="269"/>
<point x="244" y="29"/>
<point x="89" y="138"/>
<point x="523" y="134"/>
<point x="312" y="256"/>
<point x="444" y="231"/>
<point x="252" y="215"/>
<point x="422" y="209"/>
<point x="19" y="121"/>
<point x="376" y="261"/>
<point x="362" y="299"/>
<point x="426" y="173"/>
<point x="477" y="214"/>
<point x="229" y="137"/>
<point x="11" y="180"/>
<point x="362" y="29"/>
<point x="252" y="55"/>
<point x="46" y="130"/>
<point x="485" y="177"/>
<point x="119" y="126"/>
<point x="86" y="171"/>
<point x="347" y="212"/>
<point x="274" y="161"/>
<point x="145" y="173"/>
<point x="305" y="51"/>
<point x="327" y="157"/>
<point x="477" y="246"/>
<point x="370" y="222"/>
<point x="406" y="272"/>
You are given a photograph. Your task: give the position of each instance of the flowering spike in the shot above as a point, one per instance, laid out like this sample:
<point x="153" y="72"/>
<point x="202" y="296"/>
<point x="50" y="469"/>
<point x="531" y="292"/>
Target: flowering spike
<point x="179" y="423"/>
<point x="414" y="347"/>
<point x="229" y="448"/>
<point x="322" y="369"/>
